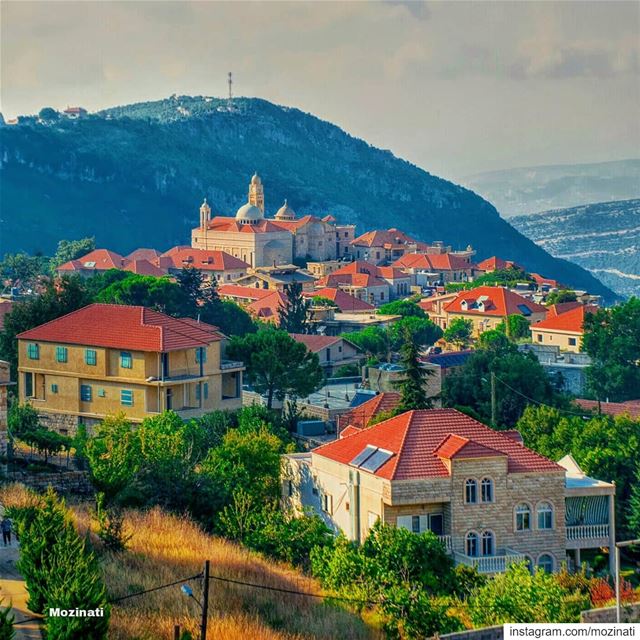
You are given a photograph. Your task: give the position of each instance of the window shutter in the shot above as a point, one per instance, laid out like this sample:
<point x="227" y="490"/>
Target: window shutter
<point x="424" y="524"/>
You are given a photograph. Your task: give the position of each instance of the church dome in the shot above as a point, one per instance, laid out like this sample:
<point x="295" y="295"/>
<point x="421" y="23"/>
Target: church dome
<point x="248" y="214"/>
<point x="285" y="212"/>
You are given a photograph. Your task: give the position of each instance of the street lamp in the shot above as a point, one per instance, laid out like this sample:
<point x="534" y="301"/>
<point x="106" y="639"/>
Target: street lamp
<point x="624" y="543"/>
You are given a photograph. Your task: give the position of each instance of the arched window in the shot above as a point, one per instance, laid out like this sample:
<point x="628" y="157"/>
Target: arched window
<point x="488" y="543"/>
<point x="473" y="544"/>
<point x="471" y="491"/>
<point x="486" y="490"/>
<point x="523" y="517"/>
<point x="545" y="515"/>
<point x="545" y="562"/>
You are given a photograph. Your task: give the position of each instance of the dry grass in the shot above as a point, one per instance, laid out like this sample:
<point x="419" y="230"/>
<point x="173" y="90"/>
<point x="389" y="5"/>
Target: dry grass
<point x="165" y="548"/>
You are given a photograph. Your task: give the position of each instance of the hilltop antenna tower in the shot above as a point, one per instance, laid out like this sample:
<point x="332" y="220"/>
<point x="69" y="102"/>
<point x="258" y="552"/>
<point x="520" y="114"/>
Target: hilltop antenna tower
<point x="230" y="82"/>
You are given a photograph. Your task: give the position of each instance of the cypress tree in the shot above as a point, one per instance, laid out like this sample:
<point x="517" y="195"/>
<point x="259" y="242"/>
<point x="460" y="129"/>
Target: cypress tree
<point x="412" y="385"/>
<point x="294" y="315"/>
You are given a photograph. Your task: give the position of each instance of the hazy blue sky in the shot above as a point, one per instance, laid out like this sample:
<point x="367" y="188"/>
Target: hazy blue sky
<point x="455" y="87"/>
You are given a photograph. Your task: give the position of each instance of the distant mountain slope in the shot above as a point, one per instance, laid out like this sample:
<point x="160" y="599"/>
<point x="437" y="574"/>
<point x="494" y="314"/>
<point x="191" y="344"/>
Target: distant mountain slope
<point x="603" y="238"/>
<point x="136" y="175"/>
<point x="530" y="189"/>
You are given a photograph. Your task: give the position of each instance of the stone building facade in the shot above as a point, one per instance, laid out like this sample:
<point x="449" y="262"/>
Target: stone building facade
<point x="492" y="501"/>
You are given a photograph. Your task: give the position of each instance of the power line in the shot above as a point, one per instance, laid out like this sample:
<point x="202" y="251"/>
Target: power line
<point x="538" y="402"/>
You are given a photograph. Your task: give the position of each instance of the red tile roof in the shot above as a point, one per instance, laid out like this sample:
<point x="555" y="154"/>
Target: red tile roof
<point x="98" y="260"/>
<point x="353" y="279"/>
<point x="570" y="321"/>
<point x="268" y="308"/>
<point x="361" y="415"/>
<point x="631" y="407"/>
<point x="144" y="254"/>
<point x="381" y="238"/>
<point x="343" y="300"/>
<point x="494" y="263"/>
<point x="561" y="307"/>
<point x="124" y="327"/>
<point x="415" y="436"/>
<point x="315" y="343"/>
<point x="204" y="259"/>
<point x="540" y="280"/>
<point x="362" y="274"/>
<point x="454" y="446"/>
<point x="144" y="268"/>
<point x="498" y="301"/>
<point x="349" y="431"/>
<point x="433" y="262"/>
<point x="220" y="223"/>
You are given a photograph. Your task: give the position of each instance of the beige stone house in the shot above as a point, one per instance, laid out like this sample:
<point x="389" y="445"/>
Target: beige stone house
<point x="333" y="351"/>
<point x="564" y="330"/>
<point x="491" y="500"/>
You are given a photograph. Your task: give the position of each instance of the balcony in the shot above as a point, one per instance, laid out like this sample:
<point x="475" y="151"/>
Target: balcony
<point x="226" y="365"/>
<point x="446" y="541"/>
<point x="491" y="564"/>
<point x="587" y="536"/>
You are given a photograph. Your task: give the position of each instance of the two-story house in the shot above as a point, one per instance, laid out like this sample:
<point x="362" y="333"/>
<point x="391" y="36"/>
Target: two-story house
<point x="333" y="351"/>
<point x="564" y="330"/>
<point x="490" y="499"/>
<point x="104" y="359"/>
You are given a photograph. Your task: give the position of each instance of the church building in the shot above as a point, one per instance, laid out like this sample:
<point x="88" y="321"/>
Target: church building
<point x="265" y="242"/>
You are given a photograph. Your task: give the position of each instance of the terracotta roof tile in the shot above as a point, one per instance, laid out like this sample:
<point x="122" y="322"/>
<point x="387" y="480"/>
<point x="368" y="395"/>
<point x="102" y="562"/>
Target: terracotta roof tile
<point x="361" y="415"/>
<point x="343" y="300"/>
<point x="571" y="321"/>
<point x="494" y="263"/>
<point x="498" y="301"/>
<point x="203" y="259"/>
<point x="124" y="327"/>
<point x="631" y="407"/>
<point x="415" y="436"/>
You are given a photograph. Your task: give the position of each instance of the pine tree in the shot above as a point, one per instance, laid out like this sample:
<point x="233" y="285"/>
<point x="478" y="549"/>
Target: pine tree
<point x="76" y="582"/>
<point x="294" y="315"/>
<point x="412" y="385"/>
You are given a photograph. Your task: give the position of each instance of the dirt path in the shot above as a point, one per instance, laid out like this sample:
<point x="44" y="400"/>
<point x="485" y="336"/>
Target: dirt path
<point x="12" y="590"/>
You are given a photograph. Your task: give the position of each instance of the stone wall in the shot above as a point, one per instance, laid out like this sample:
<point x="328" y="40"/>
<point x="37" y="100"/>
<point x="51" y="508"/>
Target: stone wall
<point x="628" y="613"/>
<point x="486" y="633"/>
<point x="66" y="482"/>
<point x="4" y="382"/>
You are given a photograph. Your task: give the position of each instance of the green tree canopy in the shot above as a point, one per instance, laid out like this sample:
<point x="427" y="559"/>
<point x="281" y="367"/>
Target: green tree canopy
<point x="71" y="249"/>
<point x="612" y="339"/>
<point x="563" y="295"/>
<point x="23" y="269"/>
<point x="459" y="332"/>
<point x="404" y="308"/>
<point x="412" y="385"/>
<point x="276" y="364"/>
<point x="374" y="341"/>
<point x="420" y="330"/>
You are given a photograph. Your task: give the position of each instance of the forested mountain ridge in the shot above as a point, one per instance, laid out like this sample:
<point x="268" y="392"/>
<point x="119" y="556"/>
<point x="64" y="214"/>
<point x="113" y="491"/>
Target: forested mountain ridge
<point x="136" y="175"/>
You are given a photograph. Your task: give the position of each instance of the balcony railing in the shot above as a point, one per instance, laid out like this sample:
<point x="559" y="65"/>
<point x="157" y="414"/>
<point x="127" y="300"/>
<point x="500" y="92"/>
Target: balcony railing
<point x="231" y="364"/>
<point x="446" y="541"/>
<point x="587" y="531"/>
<point x="491" y="564"/>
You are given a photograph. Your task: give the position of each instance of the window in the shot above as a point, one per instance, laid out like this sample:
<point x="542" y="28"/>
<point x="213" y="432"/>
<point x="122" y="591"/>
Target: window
<point x="486" y="490"/>
<point x="327" y="354"/>
<point x="488" y="545"/>
<point x="545" y="516"/>
<point x="523" y="517"/>
<point x="205" y="390"/>
<point x="28" y="385"/>
<point x="33" y="351"/>
<point x="415" y="524"/>
<point x="201" y="355"/>
<point x="572" y="342"/>
<point x="85" y="393"/>
<point x="61" y="354"/>
<point x="472" y="546"/>
<point x="327" y="503"/>
<point x="545" y="562"/>
<point x="54" y="388"/>
<point x="471" y="491"/>
<point x="90" y="357"/>
<point x="126" y="398"/>
<point x="539" y="337"/>
<point x="101" y="393"/>
<point x="126" y="361"/>
<point x="290" y="488"/>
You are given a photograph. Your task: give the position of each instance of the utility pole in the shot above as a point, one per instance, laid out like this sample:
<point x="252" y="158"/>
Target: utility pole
<point x="493" y="401"/>
<point x="205" y="601"/>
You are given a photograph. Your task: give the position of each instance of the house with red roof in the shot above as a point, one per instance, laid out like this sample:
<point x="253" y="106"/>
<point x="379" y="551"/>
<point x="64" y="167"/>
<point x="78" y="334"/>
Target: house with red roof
<point x="494" y="264"/>
<point x="359" y="417"/>
<point x="105" y="359"/>
<point x="563" y="330"/>
<point x="489" y="499"/>
<point x="369" y="282"/>
<point x="487" y="307"/>
<point x="437" y="268"/>
<point x="212" y="264"/>
<point x="343" y="301"/>
<point x="94" y="262"/>
<point x="333" y="351"/>
<point x="263" y="304"/>
<point x="383" y="245"/>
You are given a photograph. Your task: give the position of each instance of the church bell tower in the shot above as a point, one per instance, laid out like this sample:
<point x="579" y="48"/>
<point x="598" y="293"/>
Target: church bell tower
<point x="256" y="192"/>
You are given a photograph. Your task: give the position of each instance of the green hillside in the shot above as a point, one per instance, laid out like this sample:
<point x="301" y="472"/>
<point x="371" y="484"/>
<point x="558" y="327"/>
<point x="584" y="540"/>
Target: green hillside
<point x="136" y="175"/>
